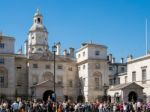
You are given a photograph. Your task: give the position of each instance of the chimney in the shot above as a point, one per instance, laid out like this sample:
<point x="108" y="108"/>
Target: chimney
<point x="129" y="58"/>
<point x="110" y="57"/>
<point x="122" y="60"/>
<point x="65" y="52"/>
<point x="113" y="60"/>
<point x="71" y="52"/>
<point x="26" y="50"/>
<point x="58" y="45"/>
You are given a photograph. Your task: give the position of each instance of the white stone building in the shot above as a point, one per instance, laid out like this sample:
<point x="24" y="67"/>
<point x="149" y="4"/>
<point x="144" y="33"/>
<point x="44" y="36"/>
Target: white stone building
<point x="138" y="72"/>
<point x="92" y="70"/>
<point x="32" y="74"/>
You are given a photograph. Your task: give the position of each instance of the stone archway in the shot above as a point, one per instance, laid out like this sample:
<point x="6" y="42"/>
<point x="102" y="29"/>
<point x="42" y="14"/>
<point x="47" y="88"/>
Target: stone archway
<point x="47" y="94"/>
<point x="132" y="96"/>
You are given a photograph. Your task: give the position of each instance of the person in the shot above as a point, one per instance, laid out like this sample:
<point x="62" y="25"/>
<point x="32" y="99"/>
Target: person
<point x="124" y="107"/>
<point x="139" y="106"/>
<point x="15" y="106"/>
<point x="100" y="107"/>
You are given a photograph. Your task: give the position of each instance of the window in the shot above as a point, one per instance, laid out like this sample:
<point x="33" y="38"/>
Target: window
<point x="59" y="67"/>
<point x="133" y="76"/>
<point x="3" y="78"/>
<point x="126" y="79"/>
<point x="1" y="60"/>
<point x="78" y="55"/>
<point x="47" y="66"/>
<point x="118" y="80"/>
<point x="35" y="65"/>
<point x="32" y="37"/>
<point x="83" y="66"/>
<point x="47" y="77"/>
<point x="34" y="79"/>
<point x="83" y="53"/>
<point x="144" y="76"/>
<point x="97" y="66"/>
<point x="110" y="68"/>
<point x="70" y="68"/>
<point x="18" y="67"/>
<point x="97" y="53"/>
<point x="110" y="81"/>
<point x="97" y="85"/>
<point x="2" y="45"/>
<point x="70" y="83"/>
<point x="60" y="80"/>
<point x="122" y="69"/>
<point x="39" y="49"/>
<point x="38" y="20"/>
<point x="2" y="81"/>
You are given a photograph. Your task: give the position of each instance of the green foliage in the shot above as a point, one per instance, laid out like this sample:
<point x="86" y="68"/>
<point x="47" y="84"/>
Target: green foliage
<point x="3" y="97"/>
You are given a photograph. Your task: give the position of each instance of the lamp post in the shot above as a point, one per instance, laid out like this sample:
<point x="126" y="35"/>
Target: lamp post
<point x="54" y="51"/>
<point x="105" y="91"/>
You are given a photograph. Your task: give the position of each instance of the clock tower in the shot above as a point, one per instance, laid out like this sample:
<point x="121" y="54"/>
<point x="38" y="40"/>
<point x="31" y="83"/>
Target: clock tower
<point x="38" y="36"/>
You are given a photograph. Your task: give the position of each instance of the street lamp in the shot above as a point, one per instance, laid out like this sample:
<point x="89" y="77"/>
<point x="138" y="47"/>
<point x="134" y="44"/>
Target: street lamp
<point x="54" y="51"/>
<point x="105" y="91"/>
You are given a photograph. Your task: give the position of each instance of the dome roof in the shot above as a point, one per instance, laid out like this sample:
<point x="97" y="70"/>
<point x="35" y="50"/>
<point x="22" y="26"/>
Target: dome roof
<point x="38" y="27"/>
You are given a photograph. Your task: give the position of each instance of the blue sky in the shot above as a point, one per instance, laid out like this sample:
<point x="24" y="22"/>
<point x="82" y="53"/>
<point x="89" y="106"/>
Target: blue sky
<point x="118" y="24"/>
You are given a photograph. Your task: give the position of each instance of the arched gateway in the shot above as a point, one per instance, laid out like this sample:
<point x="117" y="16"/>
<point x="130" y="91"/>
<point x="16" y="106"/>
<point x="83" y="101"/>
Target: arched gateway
<point x="132" y="96"/>
<point x="48" y="93"/>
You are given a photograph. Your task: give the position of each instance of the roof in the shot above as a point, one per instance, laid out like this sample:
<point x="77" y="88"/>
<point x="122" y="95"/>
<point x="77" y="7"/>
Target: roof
<point x="85" y="45"/>
<point x="7" y="37"/>
<point x="121" y="74"/>
<point x="46" y="83"/>
<point x="122" y="86"/>
<point x="38" y="27"/>
<point x="145" y="57"/>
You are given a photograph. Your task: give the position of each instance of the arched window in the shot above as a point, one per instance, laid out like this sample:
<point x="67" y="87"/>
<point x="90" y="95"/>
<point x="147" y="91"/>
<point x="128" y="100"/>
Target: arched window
<point x="47" y="76"/>
<point x="39" y="20"/>
<point x="3" y="78"/>
<point x="98" y="80"/>
<point x="34" y="79"/>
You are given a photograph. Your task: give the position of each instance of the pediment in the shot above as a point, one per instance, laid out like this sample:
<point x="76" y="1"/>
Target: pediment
<point x="133" y="86"/>
<point x="47" y="83"/>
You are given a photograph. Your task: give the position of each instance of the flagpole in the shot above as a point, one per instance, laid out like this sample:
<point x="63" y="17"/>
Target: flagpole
<point x="146" y="37"/>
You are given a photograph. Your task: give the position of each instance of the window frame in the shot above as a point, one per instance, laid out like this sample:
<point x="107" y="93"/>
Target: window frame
<point x="2" y="60"/>
<point x="97" y="53"/>
<point x="133" y="76"/>
<point x="144" y="76"/>
<point x="35" y="65"/>
<point x="2" y="45"/>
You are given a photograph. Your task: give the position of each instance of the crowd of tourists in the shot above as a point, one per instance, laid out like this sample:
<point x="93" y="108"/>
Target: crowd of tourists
<point x="68" y="106"/>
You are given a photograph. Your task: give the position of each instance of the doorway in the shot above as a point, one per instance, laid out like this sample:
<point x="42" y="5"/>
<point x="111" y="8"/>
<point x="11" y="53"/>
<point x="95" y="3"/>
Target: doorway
<point x="47" y="94"/>
<point x="132" y="96"/>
